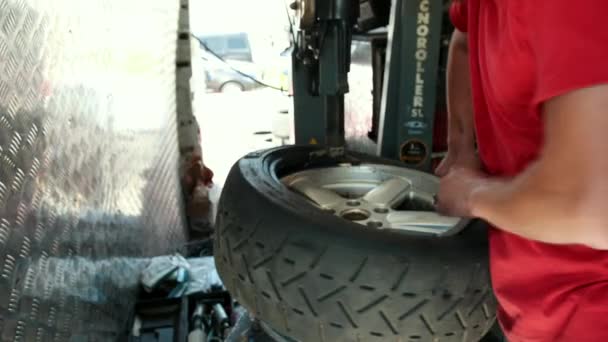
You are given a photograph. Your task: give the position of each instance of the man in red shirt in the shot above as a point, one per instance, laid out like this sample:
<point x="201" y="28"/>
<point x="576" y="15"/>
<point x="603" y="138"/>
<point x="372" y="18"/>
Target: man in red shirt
<point x="528" y="82"/>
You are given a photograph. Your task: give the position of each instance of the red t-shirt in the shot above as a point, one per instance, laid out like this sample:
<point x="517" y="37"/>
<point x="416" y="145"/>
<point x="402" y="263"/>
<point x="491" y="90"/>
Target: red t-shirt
<point x="523" y="52"/>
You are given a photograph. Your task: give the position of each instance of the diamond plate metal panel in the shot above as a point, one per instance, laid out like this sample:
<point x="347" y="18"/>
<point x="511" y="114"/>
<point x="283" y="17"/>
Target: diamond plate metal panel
<point x="89" y="184"/>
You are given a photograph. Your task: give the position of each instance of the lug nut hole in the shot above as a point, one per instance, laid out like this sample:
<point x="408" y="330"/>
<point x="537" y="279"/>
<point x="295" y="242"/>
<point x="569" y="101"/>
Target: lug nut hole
<point x="355" y="215"/>
<point x="374" y="224"/>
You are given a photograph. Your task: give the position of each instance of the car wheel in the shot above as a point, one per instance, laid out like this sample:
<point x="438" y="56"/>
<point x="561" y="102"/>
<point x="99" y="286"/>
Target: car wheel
<point x="232" y="87"/>
<point x="347" y="248"/>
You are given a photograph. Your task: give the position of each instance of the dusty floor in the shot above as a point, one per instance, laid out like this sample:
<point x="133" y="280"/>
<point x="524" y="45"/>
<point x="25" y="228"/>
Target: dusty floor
<point x="229" y="123"/>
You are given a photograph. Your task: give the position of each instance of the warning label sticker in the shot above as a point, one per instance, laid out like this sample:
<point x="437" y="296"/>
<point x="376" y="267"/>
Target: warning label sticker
<point x="413" y="152"/>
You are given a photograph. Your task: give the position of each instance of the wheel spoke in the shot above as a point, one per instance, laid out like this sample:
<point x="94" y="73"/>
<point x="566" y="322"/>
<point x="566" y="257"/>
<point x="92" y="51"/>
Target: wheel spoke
<point x="323" y="197"/>
<point x="388" y="193"/>
<point x="422" y="221"/>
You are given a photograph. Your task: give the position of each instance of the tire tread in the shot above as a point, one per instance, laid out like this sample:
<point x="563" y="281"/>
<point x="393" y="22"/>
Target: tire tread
<point x="295" y="280"/>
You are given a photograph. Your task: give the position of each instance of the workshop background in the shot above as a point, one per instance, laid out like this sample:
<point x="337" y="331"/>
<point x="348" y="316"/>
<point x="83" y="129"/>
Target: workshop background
<point x="90" y="110"/>
<point x="88" y="148"/>
<point x="235" y="123"/>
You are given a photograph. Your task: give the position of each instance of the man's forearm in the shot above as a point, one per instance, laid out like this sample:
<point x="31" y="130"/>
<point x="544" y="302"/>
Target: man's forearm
<point x="562" y="198"/>
<point x="535" y="207"/>
<point x="461" y="133"/>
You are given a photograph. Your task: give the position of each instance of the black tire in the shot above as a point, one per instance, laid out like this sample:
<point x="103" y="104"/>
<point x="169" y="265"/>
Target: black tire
<point x="315" y="277"/>
<point x="224" y="88"/>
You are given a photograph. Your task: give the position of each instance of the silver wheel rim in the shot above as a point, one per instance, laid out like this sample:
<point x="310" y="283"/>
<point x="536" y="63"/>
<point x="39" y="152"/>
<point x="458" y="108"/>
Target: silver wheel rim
<point x="377" y="196"/>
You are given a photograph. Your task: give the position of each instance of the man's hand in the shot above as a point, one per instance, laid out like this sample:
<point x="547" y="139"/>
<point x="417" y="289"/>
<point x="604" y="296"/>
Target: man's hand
<point x="458" y="158"/>
<point x="455" y="190"/>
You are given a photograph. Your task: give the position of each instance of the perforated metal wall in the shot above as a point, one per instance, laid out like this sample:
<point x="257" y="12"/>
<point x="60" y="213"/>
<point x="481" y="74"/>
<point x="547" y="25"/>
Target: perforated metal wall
<point x="88" y="161"/>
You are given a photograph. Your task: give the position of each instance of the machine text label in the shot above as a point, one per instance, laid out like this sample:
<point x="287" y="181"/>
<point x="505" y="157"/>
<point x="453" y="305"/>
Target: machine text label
<point x="422" y="31"/>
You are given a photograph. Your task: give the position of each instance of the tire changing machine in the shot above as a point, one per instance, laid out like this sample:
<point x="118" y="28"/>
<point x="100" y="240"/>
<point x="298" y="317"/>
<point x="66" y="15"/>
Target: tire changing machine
<point x="409" y="60"/>
<point x="405" y="60"/>
<point x="406" y="77"/>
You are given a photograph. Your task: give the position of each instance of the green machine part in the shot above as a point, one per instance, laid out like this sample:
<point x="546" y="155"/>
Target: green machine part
<point x="409" y="92"/>
<point x="321" y="62"/>
<point x="410" y="87"/>
<point x="309" y="117"/>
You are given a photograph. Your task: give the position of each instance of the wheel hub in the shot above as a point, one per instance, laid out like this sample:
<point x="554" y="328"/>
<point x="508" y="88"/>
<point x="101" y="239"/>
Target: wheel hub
<point x="376" y="196"/>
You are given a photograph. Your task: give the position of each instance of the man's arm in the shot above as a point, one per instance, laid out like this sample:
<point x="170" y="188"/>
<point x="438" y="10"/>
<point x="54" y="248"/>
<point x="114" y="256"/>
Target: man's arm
<point x="461" y="132"/>
<point x="563" y="197"/>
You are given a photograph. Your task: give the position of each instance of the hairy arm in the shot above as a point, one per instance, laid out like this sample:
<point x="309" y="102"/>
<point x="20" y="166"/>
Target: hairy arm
<point x="461" y="132"/>
<point x="563" y="197"/>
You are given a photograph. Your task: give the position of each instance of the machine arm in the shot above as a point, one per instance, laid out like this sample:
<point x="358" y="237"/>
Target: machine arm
<point x="321" y="65"/>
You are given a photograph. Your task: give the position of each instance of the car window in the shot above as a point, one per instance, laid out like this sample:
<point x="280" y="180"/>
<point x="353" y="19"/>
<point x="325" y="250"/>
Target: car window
<point x="215" y="45"/>
<point x="230" y="47"/>
<point x="237" y="43"/>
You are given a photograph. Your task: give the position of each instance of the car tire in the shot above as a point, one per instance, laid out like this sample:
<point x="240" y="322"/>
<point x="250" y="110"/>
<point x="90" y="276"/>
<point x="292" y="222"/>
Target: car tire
<point x="313" y="276"/>
<point x="232" y="87"/>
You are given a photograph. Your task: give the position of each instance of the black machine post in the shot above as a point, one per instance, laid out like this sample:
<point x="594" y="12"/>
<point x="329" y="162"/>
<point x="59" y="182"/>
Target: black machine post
<point x="321" y="62"/>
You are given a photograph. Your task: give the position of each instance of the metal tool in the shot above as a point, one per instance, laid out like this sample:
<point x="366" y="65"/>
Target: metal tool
<point x="198" y="333"/>
<point x="221" y="320"/>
